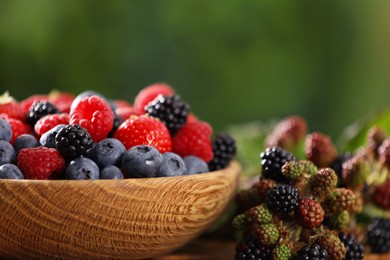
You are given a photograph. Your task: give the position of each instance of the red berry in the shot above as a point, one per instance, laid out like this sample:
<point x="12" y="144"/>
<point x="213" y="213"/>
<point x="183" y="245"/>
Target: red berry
<point x="126" y="112"/>
<point x="144" y="130"/>
<point x="192" y="118"/>
<point x="194" y="139"/>
<point x="122" y="103"/>
<point x="10" y="107"/>
<point x="40" y="163"/>
<point x="18" y="128"/>
<point x="49" y="121"/>
<point x="26" y="104"/>
<point x="149" y="93"/>
<point x="95" y="115"/>
<point x="311" y="213"/>
<point x="381" y="195"/>
<point x="62" y="100"/>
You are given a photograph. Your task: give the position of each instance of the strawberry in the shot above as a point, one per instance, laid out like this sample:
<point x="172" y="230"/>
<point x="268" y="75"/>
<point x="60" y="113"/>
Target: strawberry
<point x="144" y="130"/>
<point x="39" y="163"/>
<point x="95" y="115"/>
<point x="62" y="100"/>
<point x="10" y="107"/>
<point x="194" y="139"/>
<point x="148" y="94"/>
<point x="26" y="104"/>
<point x="49" y="121"/>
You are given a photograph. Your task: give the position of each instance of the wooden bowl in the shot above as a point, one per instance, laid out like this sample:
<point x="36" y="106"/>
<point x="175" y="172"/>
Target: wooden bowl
<point x="109" y="219"/>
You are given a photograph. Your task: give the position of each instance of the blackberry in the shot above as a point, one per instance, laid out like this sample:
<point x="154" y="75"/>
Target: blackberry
<point x="170" y="110"/>
<point x="117" y="122"/>
<point x="250" y="248"/>
<point x="73" y="141"/>
<point x="379" y="235"/>
<point x="337" y="166"/>
<point x="355" y="250"/>
<point x="40" y="109"/>
<point x="311" y="252"/>
<point x="272" y="161"/>
<point x="224" y="149"/>
<point x="282" y="199"/>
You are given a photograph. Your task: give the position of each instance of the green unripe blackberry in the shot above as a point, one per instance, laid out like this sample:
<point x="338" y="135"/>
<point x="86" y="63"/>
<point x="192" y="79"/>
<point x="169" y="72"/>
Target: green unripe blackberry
<point x="340" y="220"/>
<point x="293" y="170"/>
<point x="267" y="234"/>
<point x="333" y="245"/>
<point x="281" y="252"/>
<point x="259" y="215"/>
<point x="239" y="222"/>
<point x="323" y="183"/>
<point x="338" y="200"/>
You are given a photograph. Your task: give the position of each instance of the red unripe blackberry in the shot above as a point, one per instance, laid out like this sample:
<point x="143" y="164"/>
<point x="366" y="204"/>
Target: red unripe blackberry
<point x="320" y="150"/>
<point x="333" y="245"/>
<point x="381" y="195"/>
<point x="310" y="213"/>
<point x="384" y="153"/>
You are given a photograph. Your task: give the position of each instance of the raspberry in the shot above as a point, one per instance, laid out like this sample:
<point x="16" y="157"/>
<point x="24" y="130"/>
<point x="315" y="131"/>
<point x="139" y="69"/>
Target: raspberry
<point x="272" y="161"/>
<point x="224" y="150"/>
<point x="267" y="234"/>
<point x="170" y="110"/>
<point x="192" y="118"/>
<point x="375" y="138"/>
<point x="10" y="107"/>
<point x="259" y="215"/>
<point x="287" y="133"/>
<point x="282" y="199"/>
<point x="263" y="186"/>
<point x="378" y="235"/>
<point x="337" y="166"/>
<point x="281" y="252"/>
<point x="144" y="130"/>
<point x="194" y="139"/>
<point x="18" y="128"/>
<point x="381" y="195"/>
<point x="148" y="94"/>
<point x="38" y="110"/>
<point x="311" y="213"/>
<point x="355" y="172"/>
<point x="73" y="141"/>
<point x="312" y="252"/>
<point x="122" y="103"/>
<point x="384" y="153"/>
<point x="340" y="220"/>
<point x="49" y="121"/>
<point x="338" y="200"/>
<point x="62" y="100"/>
<point x="355" y="250"/>
<point x="126" y="112"/>
<point x="40" y="163"/>
<point x="95" y="115"/>
<point x="28" y="102"/>
<point x="293" y="170"/>
<point x="320" y="150"/>
<point x="250" y="248"/>
<point x="323" y="183"/>
<point x="332" y="244"/>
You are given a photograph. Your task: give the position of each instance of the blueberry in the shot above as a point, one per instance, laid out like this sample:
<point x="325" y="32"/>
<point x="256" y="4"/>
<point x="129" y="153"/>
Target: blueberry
<point x="195" y="165"/>
<point x="141" y="161"/>
<point x="82" y="169"/>
<point x="111" y="172"/>
<point x="25" y="141"/>
<point x="172" y="165"/>
<point x="5" y="130"/>
<point x="48" y="138"/>
<point x="108" y="152"/>
<point x="7" y="153"/>
<point x="10" y="171"/>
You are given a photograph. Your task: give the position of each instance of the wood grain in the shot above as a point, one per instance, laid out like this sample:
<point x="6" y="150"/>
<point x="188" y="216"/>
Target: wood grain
<point x="109" y="219"/>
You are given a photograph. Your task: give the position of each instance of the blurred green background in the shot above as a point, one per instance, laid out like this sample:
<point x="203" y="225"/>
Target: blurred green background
<point x="233" y="61"/>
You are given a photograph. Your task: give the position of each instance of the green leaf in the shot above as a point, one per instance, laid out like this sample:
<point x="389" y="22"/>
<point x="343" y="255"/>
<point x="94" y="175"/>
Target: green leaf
<point x="355" y="135"/>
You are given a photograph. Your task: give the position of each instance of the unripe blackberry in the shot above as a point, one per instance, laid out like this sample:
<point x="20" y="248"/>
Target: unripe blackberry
<point x="359" y="204"/>
<point x="312" y="252"/>
<point x="355" y="172"/>
<point x="340" y="220"/>
<point x="170" y="110"/>
<point x="337" y="166"/>
<point x="323" y="183"/>
<point x="263" y="186"/>
<point x="287" y="133"/>
<point x="381" y="195"/>
<point x="272" y="161"/>
<point x="378" y="235"/>
<point x="375" y="138"/>
<point x="320" y="150"/>
<point x="40" y="109"/>
<point x="267" y="234"/>
<point x="293" y="170"/>
<point x="250" y="248"/>
<point x="281" y="252"/>
<point x="355" y="250"/>
<point x="384" y="153"/>
<point x="224" y="150"/>
<point x="239" y="222"/>
<point x="259" y="215"/>
<point x="333" y="245"/>
<point x="310" y="213"/>
<point x="338" y="200"/>
<point x="282" y="199"/>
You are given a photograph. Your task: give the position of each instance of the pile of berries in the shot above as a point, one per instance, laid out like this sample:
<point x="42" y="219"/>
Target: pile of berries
<point x="314" y="207"/>
<point x="87" y="137"/>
